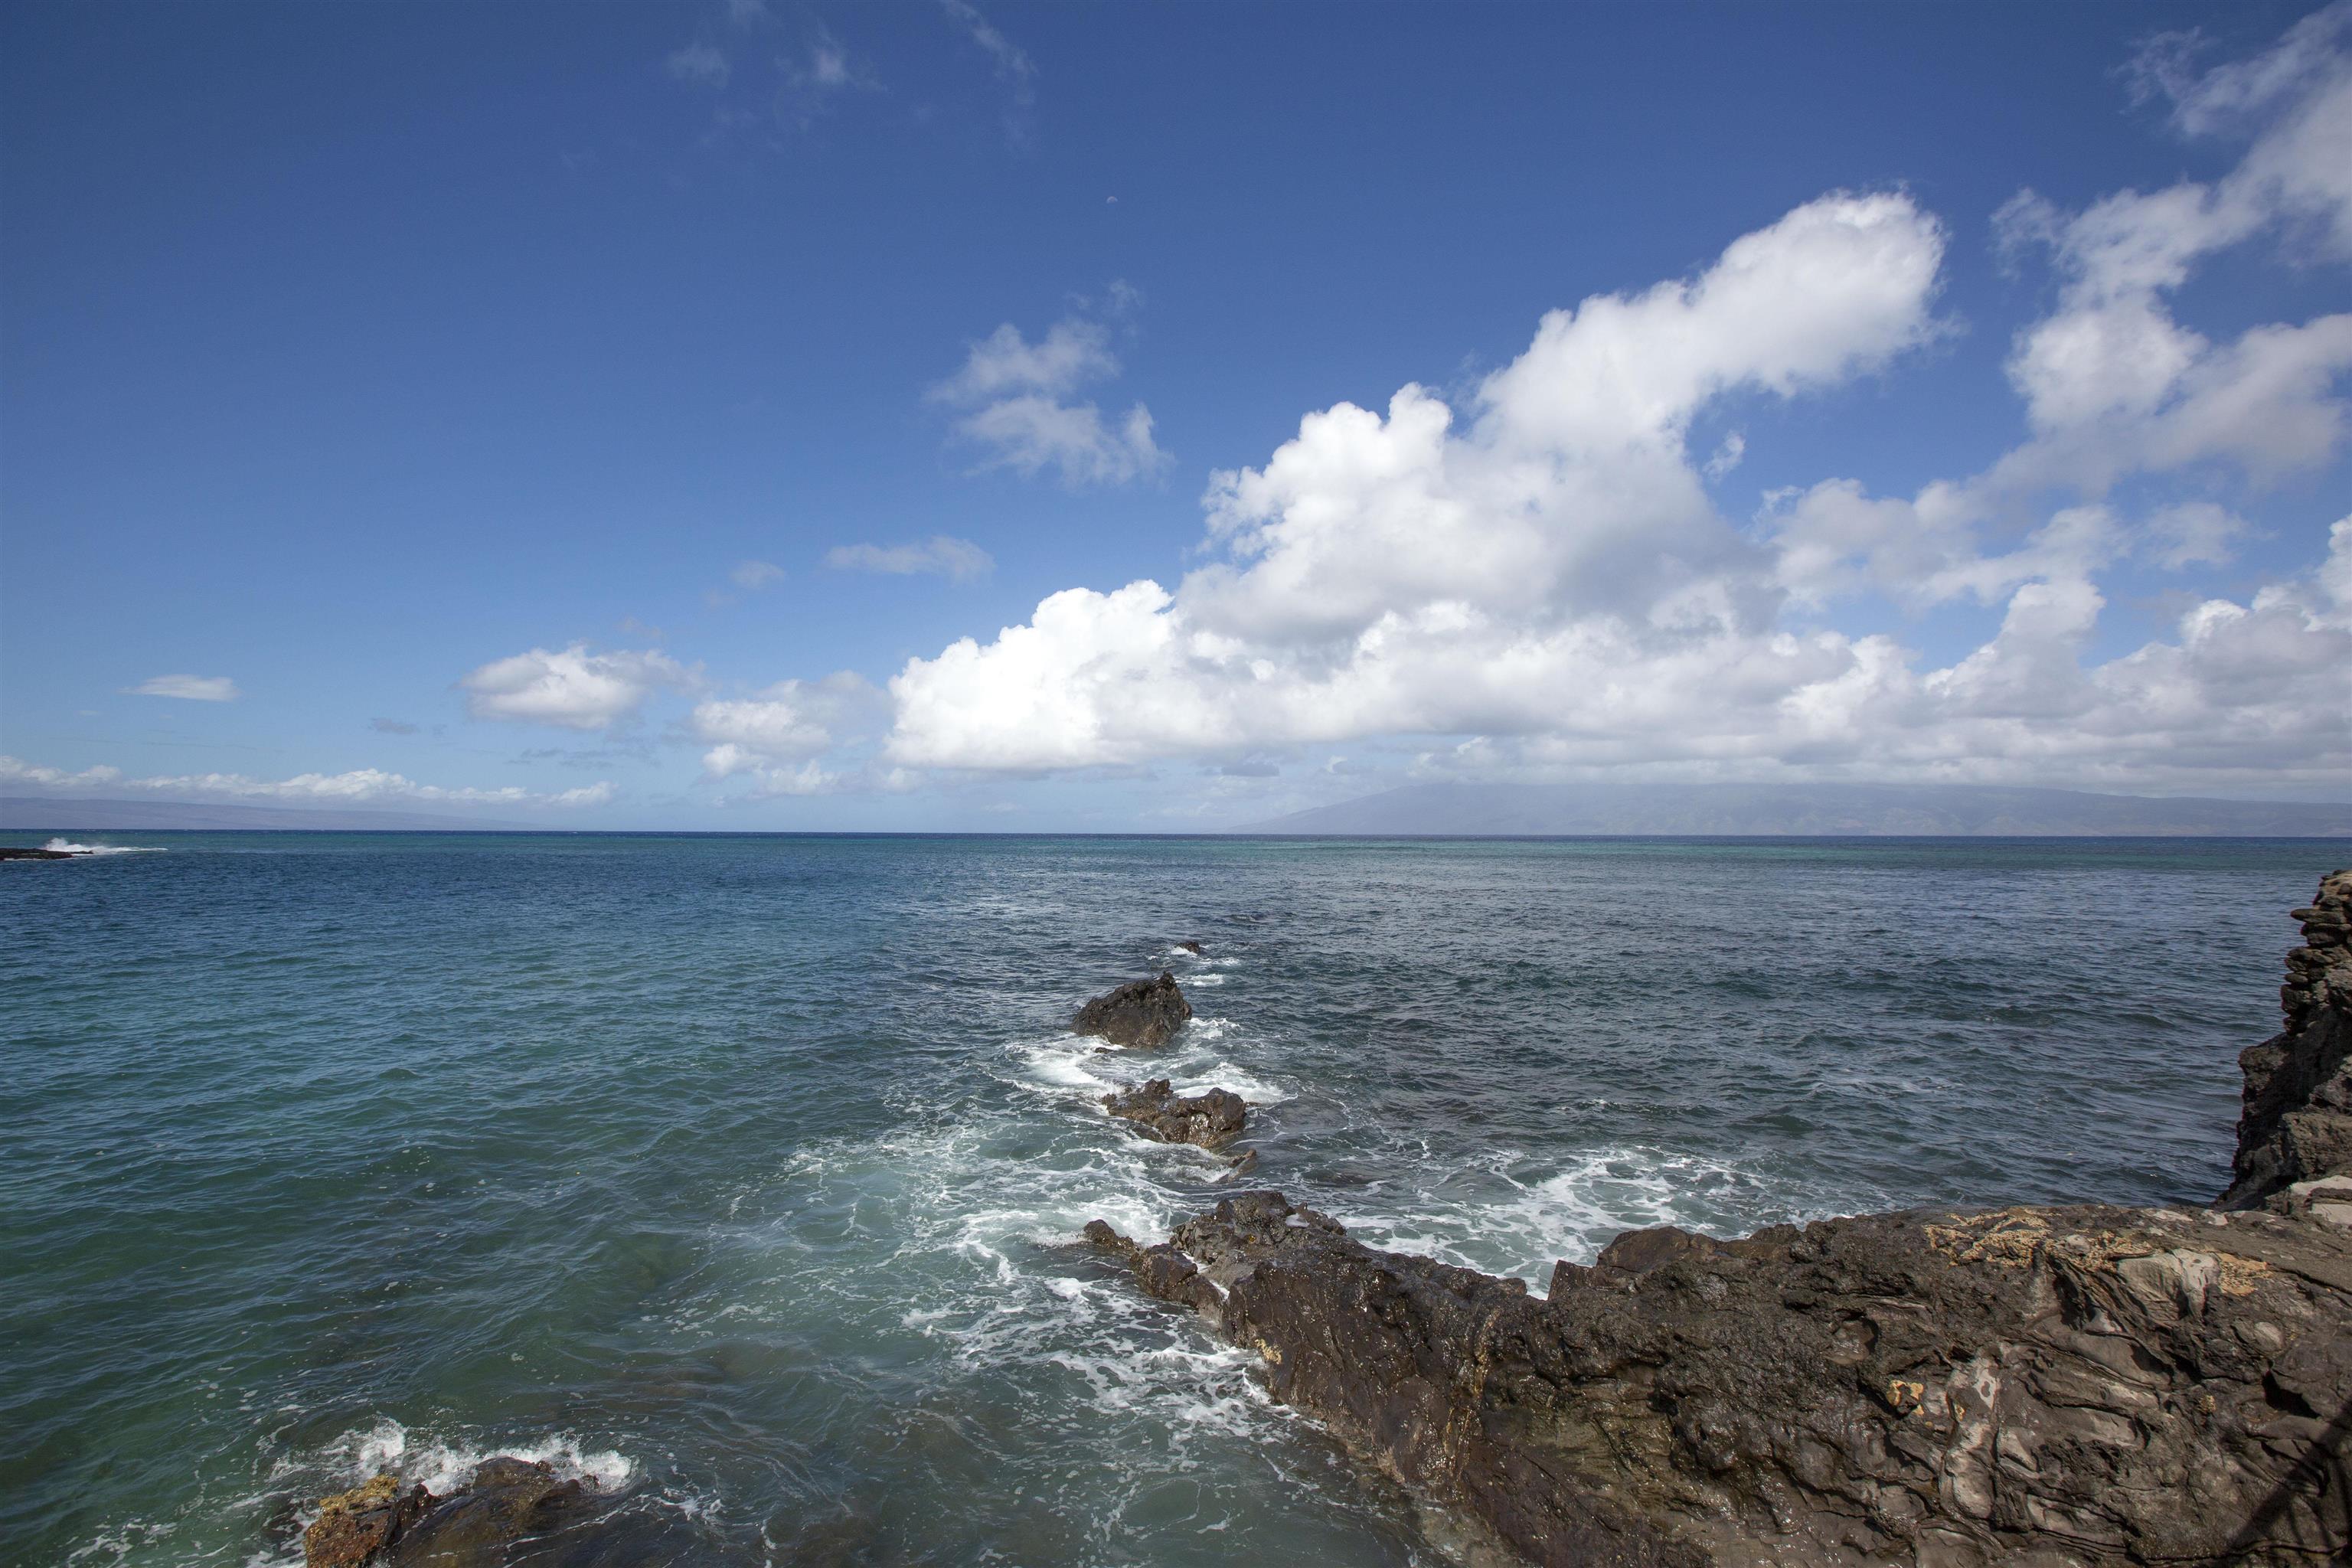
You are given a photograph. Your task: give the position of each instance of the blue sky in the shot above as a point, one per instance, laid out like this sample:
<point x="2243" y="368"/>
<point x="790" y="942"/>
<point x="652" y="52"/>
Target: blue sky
<point x="619" y="415"/>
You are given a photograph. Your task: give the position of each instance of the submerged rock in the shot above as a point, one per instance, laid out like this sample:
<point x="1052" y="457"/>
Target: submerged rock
<point x="41" y="854"/>
<point x="1211" y="1120"/>
<point x="2068" y="1386"/>
<point x="1193" y="948"/>
<point x="2297" y="1123"/>
<point x="1142" y="1013"/>
<point x="506" y="1500"/>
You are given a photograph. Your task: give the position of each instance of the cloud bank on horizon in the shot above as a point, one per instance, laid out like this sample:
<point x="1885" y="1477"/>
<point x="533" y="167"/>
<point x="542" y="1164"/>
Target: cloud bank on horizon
<point x="1534" y="575"/>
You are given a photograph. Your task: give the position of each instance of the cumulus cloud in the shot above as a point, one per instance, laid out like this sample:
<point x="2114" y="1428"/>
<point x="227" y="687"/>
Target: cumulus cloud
<point x="572" y="687"/>
<point x="958" y="558"/>
<point x="775" y="735"/>
<point x="190" y="688"/>
<point x="360" y="786"/>
<point x="756" y="574"/>
<point x="1018" y="402"/>
<point x="1399" y="575"/>
<point x="1541" y="571"/>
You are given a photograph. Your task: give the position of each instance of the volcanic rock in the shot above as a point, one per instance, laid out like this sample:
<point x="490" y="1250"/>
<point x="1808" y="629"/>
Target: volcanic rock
<point x="1142" y="1013"/>
<point x="506" y="1500"/>
<point x="1193" y="948"/>
<point x="353" y="1526"/>
<point x="2067" y="1388"/>
<point x="2298" y="1122"/>
<point x="39" y="854"/>
<point x="1211" y="1120"/>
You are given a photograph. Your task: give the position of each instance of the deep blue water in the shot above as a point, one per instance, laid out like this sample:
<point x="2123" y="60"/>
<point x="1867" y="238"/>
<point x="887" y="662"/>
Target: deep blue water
<point x="740" y="1172"/>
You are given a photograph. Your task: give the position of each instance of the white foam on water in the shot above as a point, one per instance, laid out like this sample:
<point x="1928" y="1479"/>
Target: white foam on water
<point x="1065" y="1066"/>
<point x="1510" y="1214"/>
<point x="68" y="847"/>
<point x="1224" y="1074"/>
<point x="444" y="1465"/>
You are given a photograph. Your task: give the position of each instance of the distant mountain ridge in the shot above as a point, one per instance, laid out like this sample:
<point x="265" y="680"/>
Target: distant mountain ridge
<point x="53" y="813"/>
<point x="1829" y="810"/>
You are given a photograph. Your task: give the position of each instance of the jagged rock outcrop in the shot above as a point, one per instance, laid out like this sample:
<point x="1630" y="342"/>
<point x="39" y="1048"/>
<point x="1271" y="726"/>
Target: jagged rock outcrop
<point x="506" y="1501"/>
<point x="2059" y="1387"/>
<point x="2075" y="1386"/>
<point x="1211" y="1120"/>
<point x="2298" y="1124"/>
<point x="1142" y="1013"/>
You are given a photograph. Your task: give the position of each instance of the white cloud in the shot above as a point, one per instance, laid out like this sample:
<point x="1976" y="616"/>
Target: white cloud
<point x="773" y="735"/>
<point x="1726" y="456"/>
<point x="782" y="722"/>
<point x="958" y="558"/>
<point x="1542" y="570"/>
<point x="1013" y="65"/>
<point x="2297" y="95"/>
<point x="1071" y="353"/>
<point x="1019" y="403"/>
<point x="2195" y="533"/>
<point x="770" y="782"/>
<point x="2113" y="382"/>
<point x="701" y="63"/>
<point x="360" y="786"/>
<point x="756" y="574"/>
<point x="192" y="687"/>
<point x="828" y="63"/>
<point x="813" y="81"/>
<point x="572" y="687"/>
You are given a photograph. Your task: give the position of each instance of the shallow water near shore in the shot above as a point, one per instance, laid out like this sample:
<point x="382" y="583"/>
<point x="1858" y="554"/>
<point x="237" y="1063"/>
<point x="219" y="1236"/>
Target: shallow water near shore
<point x="742" y="1173"/>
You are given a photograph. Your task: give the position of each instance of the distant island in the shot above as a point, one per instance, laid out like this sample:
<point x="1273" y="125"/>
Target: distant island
<point x="51" y="814"/>
<point x="1511" y="810"/>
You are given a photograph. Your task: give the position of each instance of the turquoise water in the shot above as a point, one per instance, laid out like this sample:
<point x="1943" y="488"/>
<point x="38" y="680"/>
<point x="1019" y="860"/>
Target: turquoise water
<point x="740" y="1172"/>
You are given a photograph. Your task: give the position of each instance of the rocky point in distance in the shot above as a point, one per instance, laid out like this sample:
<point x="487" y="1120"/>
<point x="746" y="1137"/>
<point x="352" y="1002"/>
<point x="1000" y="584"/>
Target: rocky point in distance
<point x="2073" y="1386"/>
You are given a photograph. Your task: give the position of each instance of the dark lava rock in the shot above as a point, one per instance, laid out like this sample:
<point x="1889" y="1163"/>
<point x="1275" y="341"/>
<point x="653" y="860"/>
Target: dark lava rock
<point x="2297" y="1125"/>
<point x="1193" y="948"/>
<point x="38" y="854"/>
<point x="2097" y="1386"/>
<point x="353" y="1526"/>
<point x="1212" y="1120"/>
<point x="1144" y="1013"/>
<point x="2065" y="1387"/>
<point x="506" y="1500"/>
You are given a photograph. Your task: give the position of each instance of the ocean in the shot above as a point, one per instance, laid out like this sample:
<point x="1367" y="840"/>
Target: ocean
<point x="743" y="1173"/>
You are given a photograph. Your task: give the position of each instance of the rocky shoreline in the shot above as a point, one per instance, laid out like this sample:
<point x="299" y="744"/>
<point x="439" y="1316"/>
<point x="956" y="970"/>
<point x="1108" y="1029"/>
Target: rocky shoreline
<point x="2058" y="1386"/>
<point x="2063" y="1386"/>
